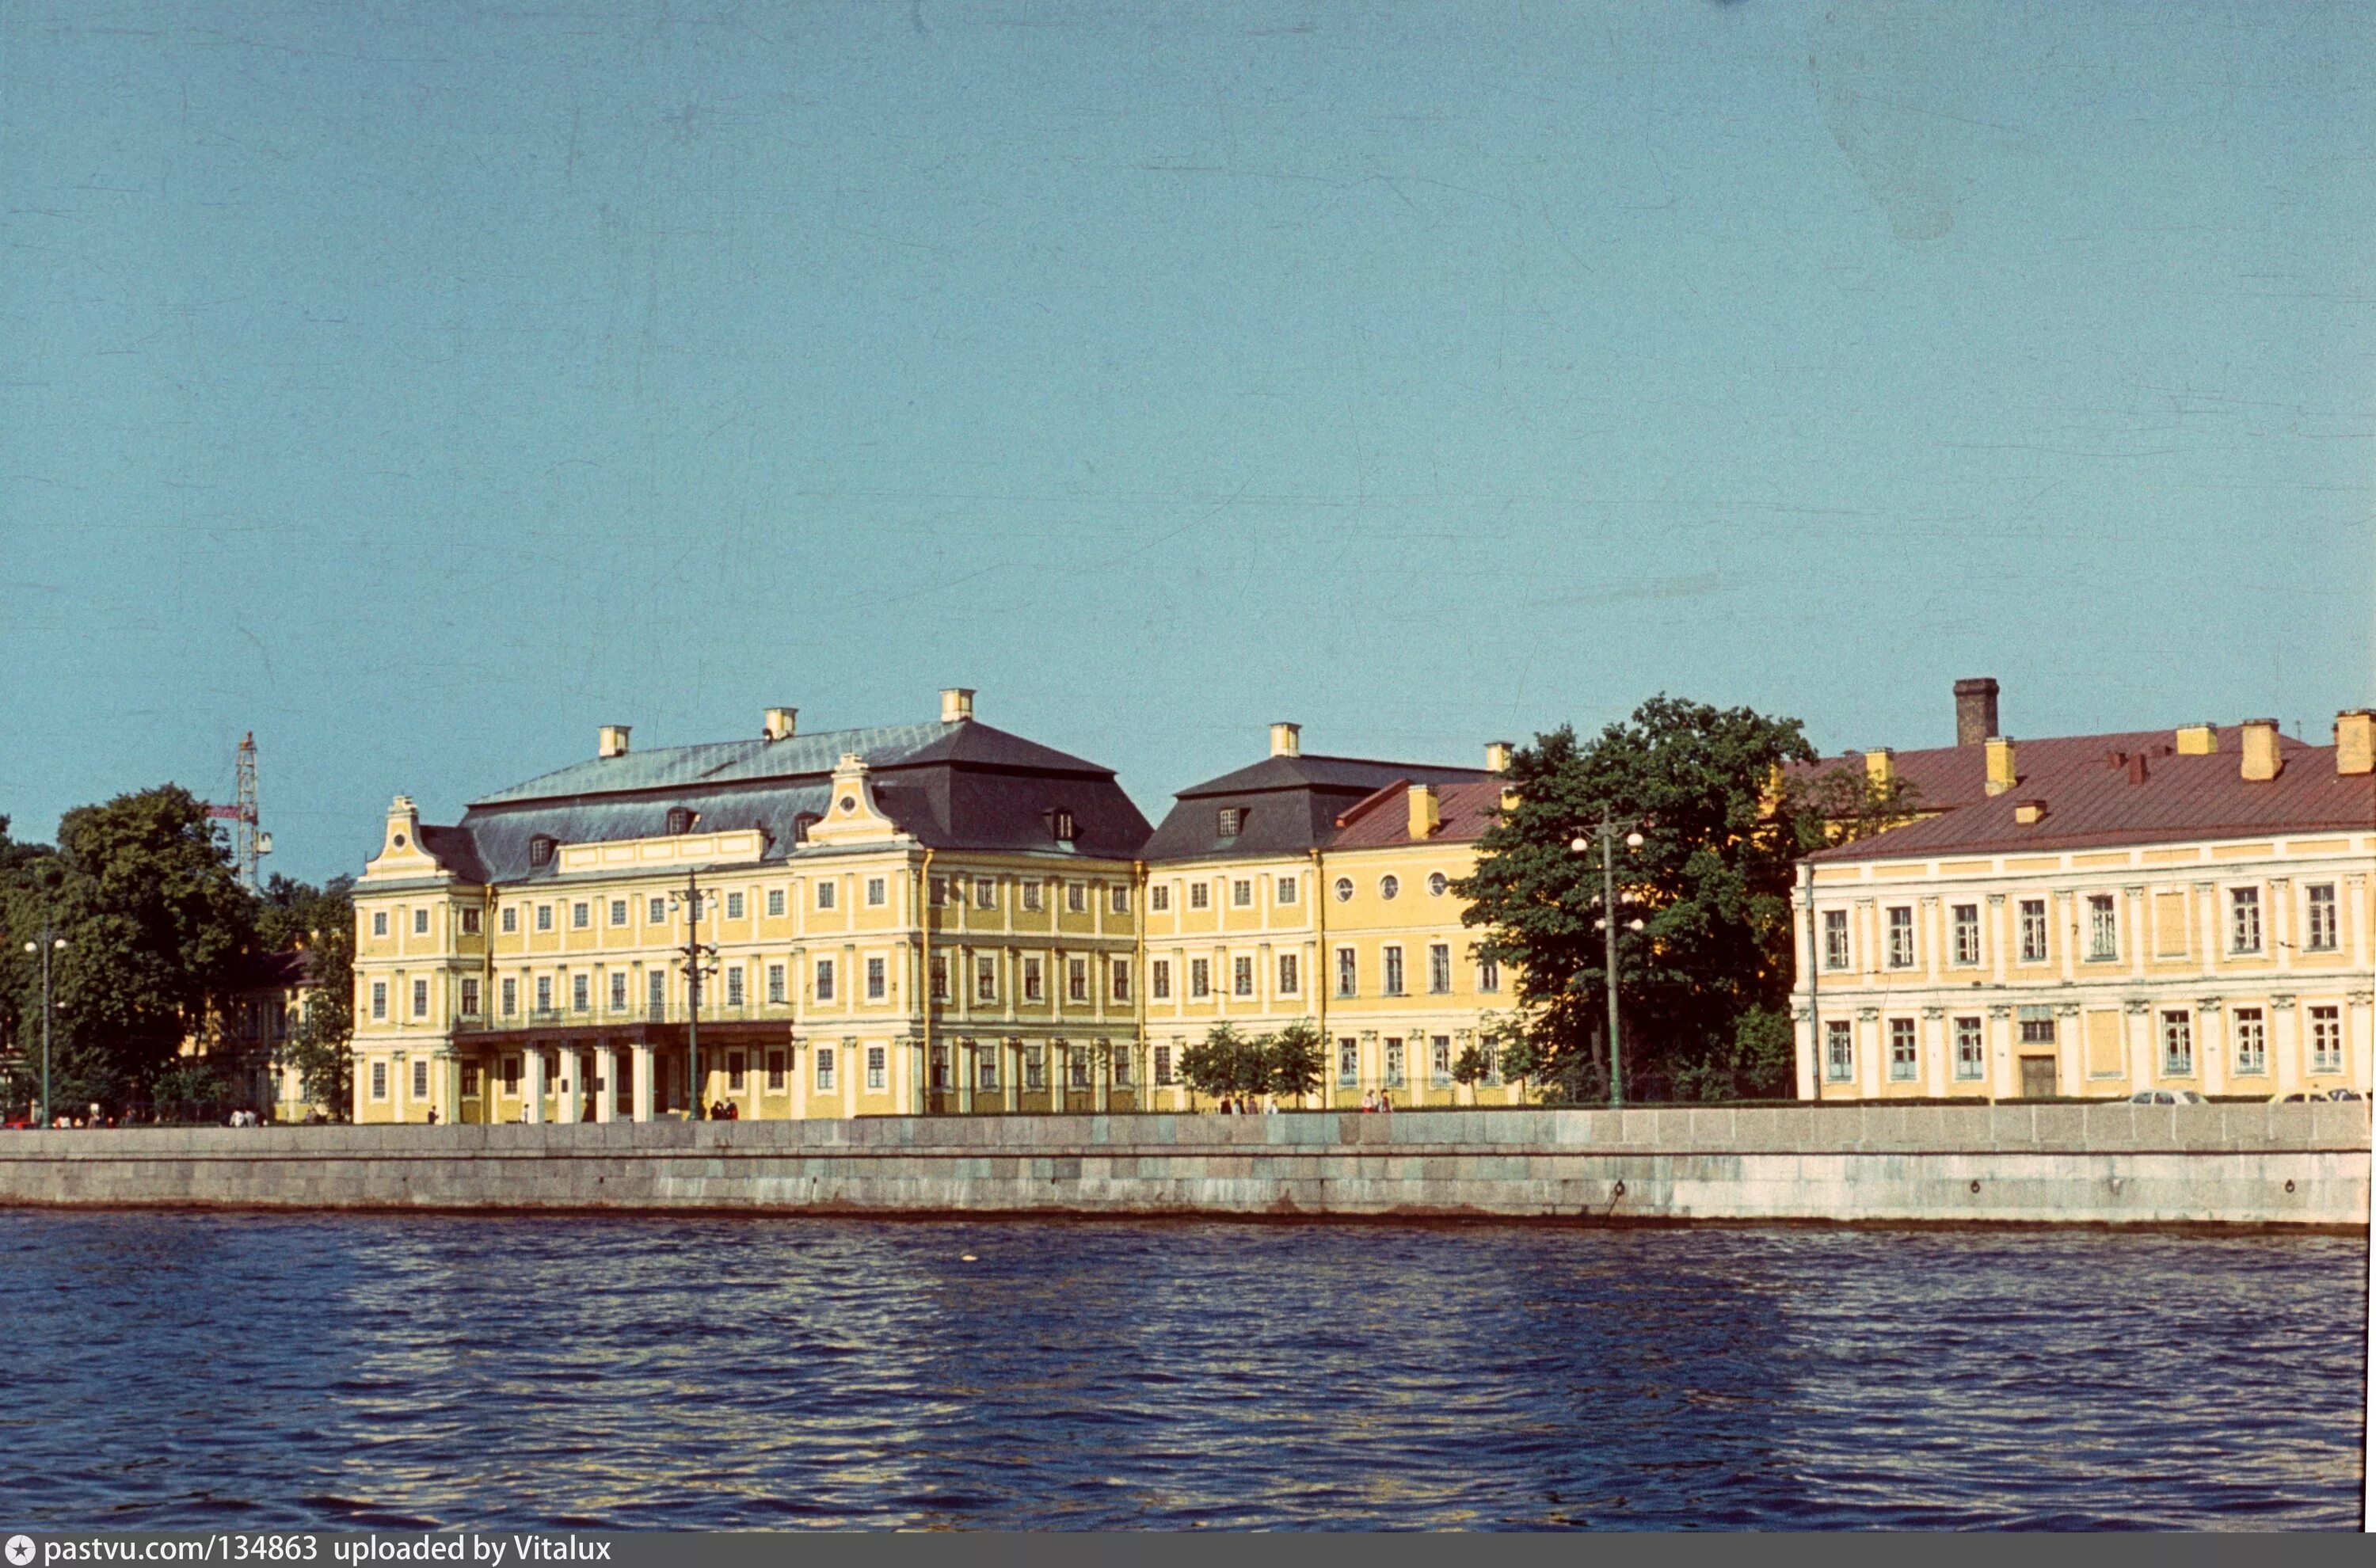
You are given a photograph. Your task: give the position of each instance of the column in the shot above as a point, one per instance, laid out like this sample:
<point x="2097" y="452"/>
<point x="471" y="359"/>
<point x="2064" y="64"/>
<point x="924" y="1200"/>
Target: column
<point x="2283" y="928"/>
<point x="606" y="1082"/>
<point x="852" y="1065"/>
<point x="2133" y="930"/>
<point x="1010" y="1078"/>
<point x="400" y="1068"/>
<point x="1936" y="1049"/>
<point x="643" y="1089"/>
<point x="2211" y="1058"/>
<point x="532" y="1082"/>
<point x="2207" y="896"/>
<point x="2137" y="1044"/>
<point x="1995" y="937"/>
<point x="1872" y="1046"/>
<point x="2284" y="1043"/>
<point x="449" y="1090"/>
<point x="2000" y="1049"/>
<point x="2070" y="1049"/>
<point x="571" y="1084"/>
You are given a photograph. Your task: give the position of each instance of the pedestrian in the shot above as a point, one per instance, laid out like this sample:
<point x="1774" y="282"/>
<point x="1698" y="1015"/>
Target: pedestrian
<point x="433" y="1116"/>
<point x="1385" y="1102"/>
<point x="1369" y="1100"/>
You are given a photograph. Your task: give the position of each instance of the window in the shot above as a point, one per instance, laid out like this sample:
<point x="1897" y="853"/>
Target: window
<point x="511" y="997"/>
<point x="510" y="920"/>
<point x="878" y="892"/>
<point x="824" y="889"/>
<point x="420" y="1080"/>
<point x="1439" y="1059"/>
<point x="1121" y="904"/>
<point x="1121" y="980"/>
<point x="736" y="1064"/>
<point x="2177" y="1046"/>
<point x="379" y="998"/>
<point x="1901" y="937"/>
<point x="2036" y="1026"/>
<point x="1035" y="1068"/>
<point x="775" y="902"/>
<point x="1903" y="1061"/>
<point x="2244" y="920"/>
<point x="544" y="916"/>
<point x="1059" y="825"/>
<point x="1076" y="980"/>
<point x="1971" y="1058"/>
<point x="680" y="821"/>
<point x="1076" y="1066"/>
<point x="1395" y="1062"/>
<point x="618" y="911"/>
<point x="776" y="984"/>
<point x="1489" y="974"/>
<point x="1200" y="897"/>
<point x="2252" y="1042"/>
<point x="985" y="893"/>
<point x="1232" y="818"/>
<point x="937" y="893"/>
<point x="2033" y="931"/>
<point x="1439" y="968"/>
<point x="878" y="980"/>
<point x="1436" y="884"/>
<point x="1287" y="977"/>
<point x="1394" y="966"/>
<point x="985" y="978"/>
<point x="776" y="1072"/>
<point x="985" y="1066"/>
<point x="1349" y="1061"/>
<point x="544" y="993"/>
<point x="469" y="922"/>
<point x="618" y="991"/>
<point x="421" y="922"/>
<point x="1836" y="939"/>
<point x="1121" y="1067"/>
<point x="2326" y="1040"/>
<point x="511" y="1075"/>
<point x="1389" y="886"/>
<point x="1031" y="980"/>
<point x="1966" y="919"/>
<point x="940" y="1066"/>
<point x="655" y="911"/>
<point x="421" y="999"/>
<point x="2103" y="928"/>
<point x="1163" y="1066"/>
<point x="1076" y="898"/>
<point x="734" y="906"/>
<point x="656" y="991"/>
<point x="1344" y="890"/>
<point x="1241" y="976"/>
<point x="1200" y="978"/>
<point x="1030" y="896"/>
<point x="2325" y="932"/>
<point x="581" y="915"/>
<point x="1158" y="980"/>
<point x="734" y="986"/>
<point x="825" y="1068"/>
<point x="581" y="997"/>
<point x="1839" y="1051"/>
<point x="379" y="922"/>
<point x="540" y="850"/>
<point x="1347" y="974"/>
<point x="1242" y="893"/>
<point x="940" y="977"/>
<point x="825" y="980"/>
<point x="379" y="1080"/>
<point x="874" y="1066"/>
<point x="1158" y="898"/>
<point x="470" y="1080"/>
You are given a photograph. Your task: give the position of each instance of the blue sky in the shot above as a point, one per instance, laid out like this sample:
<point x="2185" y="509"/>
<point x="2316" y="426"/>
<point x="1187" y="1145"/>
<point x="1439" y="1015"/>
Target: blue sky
<point x="421" y="387"/>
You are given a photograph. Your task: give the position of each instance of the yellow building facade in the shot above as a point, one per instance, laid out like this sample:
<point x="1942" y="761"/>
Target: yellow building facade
<point x="2184" y="911"/>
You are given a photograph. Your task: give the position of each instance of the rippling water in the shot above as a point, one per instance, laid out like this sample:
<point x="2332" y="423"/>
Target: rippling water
<point x="190" y="1370"/>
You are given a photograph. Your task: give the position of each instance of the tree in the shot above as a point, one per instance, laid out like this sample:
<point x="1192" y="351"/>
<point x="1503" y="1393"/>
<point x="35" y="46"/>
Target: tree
<point x="321" y="922"/>
<point x="1224" y="1062"/>
<point x="1852" y="803"/>
<point x="1296" y="1059"/>
<point x="1710" y="886"/>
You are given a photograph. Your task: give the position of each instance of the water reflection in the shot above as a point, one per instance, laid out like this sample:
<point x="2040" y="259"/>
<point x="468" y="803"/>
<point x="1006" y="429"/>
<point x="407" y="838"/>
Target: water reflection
<point x="196" y="1370"/>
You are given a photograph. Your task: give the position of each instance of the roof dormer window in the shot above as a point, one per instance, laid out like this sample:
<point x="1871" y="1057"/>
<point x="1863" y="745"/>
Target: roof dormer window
<point x="680" y="821"/>
<point x="802" y="823"/>
<point x="1060" y="825"/>
<point x="1232" y="819"/>
<point x="540" y="850"/>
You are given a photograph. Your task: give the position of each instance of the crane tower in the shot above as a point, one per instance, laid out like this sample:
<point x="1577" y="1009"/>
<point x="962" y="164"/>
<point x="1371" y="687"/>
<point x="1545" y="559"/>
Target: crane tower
<point x="249" y="842"/>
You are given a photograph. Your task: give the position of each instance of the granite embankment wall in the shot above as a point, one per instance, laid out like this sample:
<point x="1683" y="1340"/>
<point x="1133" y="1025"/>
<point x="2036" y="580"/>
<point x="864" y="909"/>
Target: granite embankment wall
<point x="2247" y="1165"/>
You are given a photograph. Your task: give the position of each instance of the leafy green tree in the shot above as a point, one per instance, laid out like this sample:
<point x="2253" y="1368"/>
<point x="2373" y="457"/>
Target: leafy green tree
<point x="1853" y="804"/>
<point x="321" y="922"/>
<point x="1295" y="1060"/>
<point x="1472" y="1067"/>
<point x="1710" y="886"/>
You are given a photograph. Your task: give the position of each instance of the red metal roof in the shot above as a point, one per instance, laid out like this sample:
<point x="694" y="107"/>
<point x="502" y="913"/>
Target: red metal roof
<point x="1946" y="777"/>
<point x="1383" y="817"/>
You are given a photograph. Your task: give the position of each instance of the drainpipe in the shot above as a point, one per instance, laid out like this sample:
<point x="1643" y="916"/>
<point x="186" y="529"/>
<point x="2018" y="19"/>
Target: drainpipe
<point x="1321" y="982"/>
<point x="924" y="986"/>
<point x="1142" y="1089"/>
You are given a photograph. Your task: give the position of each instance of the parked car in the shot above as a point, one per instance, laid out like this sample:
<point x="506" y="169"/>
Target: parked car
<point x="2167" y="1097"/>
<point x="2296" y="1097"/>
<point x="2345" y="1094"/>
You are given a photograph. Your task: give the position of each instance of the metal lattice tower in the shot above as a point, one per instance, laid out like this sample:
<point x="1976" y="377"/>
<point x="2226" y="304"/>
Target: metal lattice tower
<point x="250" y="844"/>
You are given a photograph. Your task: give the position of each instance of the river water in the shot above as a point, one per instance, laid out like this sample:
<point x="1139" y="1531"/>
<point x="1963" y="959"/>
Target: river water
<point x="186" y="1371"/>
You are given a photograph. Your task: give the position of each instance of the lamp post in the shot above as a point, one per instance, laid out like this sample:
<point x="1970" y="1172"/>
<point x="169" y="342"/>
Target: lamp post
<point x="697" y="955"/>
<point x="1607" y="834"/>
<point x="51" y="943"/>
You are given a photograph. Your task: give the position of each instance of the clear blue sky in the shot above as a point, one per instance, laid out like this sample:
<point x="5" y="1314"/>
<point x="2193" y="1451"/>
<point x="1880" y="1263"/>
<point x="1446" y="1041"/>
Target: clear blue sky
<point x="421" y="387"/>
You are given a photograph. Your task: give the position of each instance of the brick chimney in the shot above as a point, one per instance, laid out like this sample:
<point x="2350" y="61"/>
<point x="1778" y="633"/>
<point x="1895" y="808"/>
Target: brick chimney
<point x="2354" y="741"/>
<point x="2198" y="740"/>
<point x="1286" y="740"/>
<point x="1975" y="710"/>
<point x="2263" y="762"/>
<point x="2002" y="775"/>
<point x="611" y="741"/>
<point x="957" y="704"/>
<point x="781" y="723"/>
<point x="1497" y="757"/>
<point x="1425" y="816"/>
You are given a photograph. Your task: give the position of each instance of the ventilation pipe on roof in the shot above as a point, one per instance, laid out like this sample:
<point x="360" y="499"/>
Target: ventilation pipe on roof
<point x="1426" y="811"/>
<point x="2002" y="776"/>
<point x="957" y="704"/>
<point x="781" y="723"/>
<point x="611" y="741"/>
<point x="1497" y="757"/>
<point x="2198" y="740"/>
<point x="1286" y="740"/>
<point x="2354" y="741"/>
<point x="2261" y="760"/>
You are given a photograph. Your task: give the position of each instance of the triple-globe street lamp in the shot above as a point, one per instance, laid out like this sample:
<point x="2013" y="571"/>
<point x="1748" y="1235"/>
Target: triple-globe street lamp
<point x="1605" y="833"/>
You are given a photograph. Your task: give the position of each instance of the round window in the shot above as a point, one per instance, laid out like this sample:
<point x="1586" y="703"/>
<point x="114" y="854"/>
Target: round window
<point x="399" y="840"/>
<point x="1344" y="889"/>
<point x="850" y="802"/>
<point x="1388" y="887"/>
<point x="1436" y="884"/>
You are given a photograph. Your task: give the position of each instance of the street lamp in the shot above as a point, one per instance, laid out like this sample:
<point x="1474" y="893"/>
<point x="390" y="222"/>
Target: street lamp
<point x="51" y="943"/>
<point x="1607" y="834"/>
<point x="698" y="957"/>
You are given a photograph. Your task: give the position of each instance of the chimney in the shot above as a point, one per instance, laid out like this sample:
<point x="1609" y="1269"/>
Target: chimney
<point x="2354" y="741"/>
<point x="1497" y="757"/>
<point x="1509" y="799"/>
<point x="1286" y="740"/>
<point x="1975" y="710"/>
<point x="2262" y="759"/>
<point x="2026" y="812"/>
<point x="2198" y="740"/>
<point x="2002" y="776"/>
<point x="1425" y="815"/>
<point x="782" y="722"/>
<point x="1880" y="769"/>
<point x="611" y="741"/>
<point x="957" y="704"/>
<point x="2137" y="768"/>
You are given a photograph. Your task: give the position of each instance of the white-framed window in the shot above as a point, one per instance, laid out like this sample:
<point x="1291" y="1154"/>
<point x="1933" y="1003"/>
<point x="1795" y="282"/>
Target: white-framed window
<point x="878" y="979"/>
<point x="1158" y="898"/>
<point x="1031" y="980"/>
<point x="1439" y="968"/>
<point x="1971" y="1055"/>
<point x="776" y="984"/>
<point x="985" y="978"/>
<point x="734" y="986"/>
<point x="875" y="1063"/>
<point x="1242" y="893"/>
<point x="1836" y="939"/>
<point x="2033" y="931"/>
<point x="1122" y="980"/>
<point x="985" y="1066"/>
<point x="2323" y="932"/>
<point x="940" y="1064"/>
<point x="1905" y="1062"/>
<point x="510" y="997"/>
<point x="940" y="977"/>
<point x="878" y="892"/>
<point x="1030" y="897"/>
<point x="421" y="999"/>
<point x="2177" y="1045"/>
<point x="1120" y="894"/>
<point x="825" y="980"/>
<point x="1349" y="1060"/>
<point x="1347" y="973"/>
<point x="824" y="1054"/>
<point x="1436" y="884"/>
<point x="1439" y="1059"/>
<point x="510" y="920"/>
<point x="379" y="922"/>
<point x="581" y="996"/>
<point x="985" y="893"/>
<point x="419" y="1079"/>
<point x="656" y="911"/>
<point x="1288" y="889"/>
<point x="775" y="901"/>
<point x="824" y="892"/>
<point x="1158" y="980"/>
<point x="1200" y="978"/>
<point x="2252" y="1042"/>
<point x="1389" y="886"/>
<point x="378" y="1079"/>
<point x="618" y="991"/>
<point x="1241" y="975"/>
<point x="1489" y="974"/>
<point x="379" y="998"/>
<point x="1394" y="1060"/>
<point x="1120" y="1057"/>
<point x="936" y="893"/>
<point x="1391" y="960"/>
<point x="1035" y="1067"/>
<point x="1228" y="821"/>
<point x="581" y="915"/>
<point x="1200" y="896"/>
<point x="2326" y="1040"/>
<point x="1076" y="898"/>
<point x="1839" y="1051"/>
<point x="774" y="1072"/>
<point x="1966" y="919"/>
<point x="656" y="991"/>
<point x="1163" y="1066"/>
<point x="421" y="922"/>
<point x="512" y="1076"/>
<point x="1901" y="937"/>
<point x="469" y="922"/>
<point x="618" y="911"/>
<point x="470" y="1080"/>
<point x="2103" y="928"/>
<point x="2243" y="920"/>
<point x="2037" y="1025"/>
<point x="1344" y="890"/>
<point x="1076" y="980"/>
<point x="544" y="916"/>
<point x="544" y="993"/>
<point x="734" y="906"/>
<point x="1287" y="976"/>
<point x="1076" y="1066"/>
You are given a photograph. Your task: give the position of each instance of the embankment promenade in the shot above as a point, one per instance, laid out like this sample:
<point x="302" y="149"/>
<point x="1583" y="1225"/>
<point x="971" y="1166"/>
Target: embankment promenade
<point x="2283" y="1165"/>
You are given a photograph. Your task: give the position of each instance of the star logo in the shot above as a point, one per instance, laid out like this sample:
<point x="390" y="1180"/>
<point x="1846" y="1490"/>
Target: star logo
<point x="20" y="1551"/>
